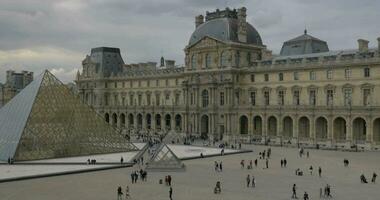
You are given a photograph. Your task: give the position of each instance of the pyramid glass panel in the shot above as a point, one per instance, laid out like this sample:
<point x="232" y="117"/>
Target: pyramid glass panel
<point x="60" y="125"/>
<point x="164" y="158"/>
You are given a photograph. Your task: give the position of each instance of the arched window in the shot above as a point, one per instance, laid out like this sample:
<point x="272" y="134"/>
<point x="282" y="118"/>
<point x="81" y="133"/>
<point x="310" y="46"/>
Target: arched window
<point x="223" y="59"/>
<point x="194" y="61"/>
<point x="204" y="98"/>
<point x="208" y="61"/>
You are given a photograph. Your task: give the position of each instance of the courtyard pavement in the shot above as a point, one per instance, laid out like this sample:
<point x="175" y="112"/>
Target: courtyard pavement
<point x="199" y="179"/>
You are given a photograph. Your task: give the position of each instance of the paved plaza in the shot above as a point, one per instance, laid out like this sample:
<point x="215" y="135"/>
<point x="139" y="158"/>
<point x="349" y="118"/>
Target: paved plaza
<point x="199" y="179"/>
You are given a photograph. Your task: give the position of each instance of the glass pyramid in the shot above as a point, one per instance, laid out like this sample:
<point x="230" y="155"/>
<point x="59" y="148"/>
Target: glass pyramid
<point x="45" y="120"/>
<point x="164" y="159"/>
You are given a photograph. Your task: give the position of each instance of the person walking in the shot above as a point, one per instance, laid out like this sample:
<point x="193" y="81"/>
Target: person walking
<point x="285" y="162"/>
<point x="119" y="193"/>
<point x="248" y="180"/>
<point x="127" y="196"/>
<point x="256" y="162"/>
<point x="311" y="170"/>
<point x="170" y="180"/>
<point x="267" y="163"/>
<point x="374" y="175"/>
<point x="282" y="163"/>
<point x="294" y="190"/>
<point x="220" y="166"/>
<point x="320" y="171"/>
<point x="305" y="196"/>
<point x="171" y="193"/>
<point x="121" y="160"/>
<point x="253" y="181"/>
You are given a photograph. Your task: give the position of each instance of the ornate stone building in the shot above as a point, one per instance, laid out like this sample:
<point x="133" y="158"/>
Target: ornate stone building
<point x="15" y="82"/>
<point x="232" y="87"/>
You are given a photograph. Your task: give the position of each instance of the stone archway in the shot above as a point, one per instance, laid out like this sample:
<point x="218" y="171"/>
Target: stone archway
<point x="287" y="128"/>
<point x="257" y="126"/>
<point x="340" y="129"/>
<point x="114" y="119"/>
<point x="304" y="127"/>
<point x="376" y="130"/>
<point x="359" y="129"/>
<point x="122" y="120"/>
<point x="139" y="121"/>
<point x="243" y="125"/>
<point x="107" y="117"/>
<point x="204" y="126"/>
<point x="158" y="122"/>
<point x="272" y="126"/>
<point x="321" y="128"/>
<point x="131" y="119"/>
<point x="168" y="124"/>
<point x="148" y="121"/>
<point x="178" y="122"/>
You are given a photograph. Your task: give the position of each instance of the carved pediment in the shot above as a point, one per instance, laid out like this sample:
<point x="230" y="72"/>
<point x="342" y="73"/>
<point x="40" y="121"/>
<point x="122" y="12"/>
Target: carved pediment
<point x="205" y="42"/>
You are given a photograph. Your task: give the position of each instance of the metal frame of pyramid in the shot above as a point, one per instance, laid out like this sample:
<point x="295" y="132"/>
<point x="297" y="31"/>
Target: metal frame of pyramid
<point x="164" y="159"/>
<point x="46" y="120"/>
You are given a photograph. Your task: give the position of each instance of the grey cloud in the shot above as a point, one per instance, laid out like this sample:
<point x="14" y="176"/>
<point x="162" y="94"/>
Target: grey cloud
<point x="145" y="28"/>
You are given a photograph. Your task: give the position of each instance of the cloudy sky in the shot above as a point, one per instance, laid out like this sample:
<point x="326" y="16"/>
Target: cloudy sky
<point x="57" y="34"/>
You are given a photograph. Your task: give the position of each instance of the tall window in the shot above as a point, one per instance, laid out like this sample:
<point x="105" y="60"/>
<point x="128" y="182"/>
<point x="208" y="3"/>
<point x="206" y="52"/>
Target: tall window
<point x="191" y="99"/>
<point x="221" y="98"/>
<point x="237" y="58"/>
<point x="166" y="82"/>
<point x="223" y="59"/>
<point x="312" y="97"/>
<point x="252" y="78"/>
<point x="208" y="60"/>
<point x="281" y="97"/>
<point x="295" y="76"/>
<point x="253" y="98"/>
<point x="148" y="83"/>
<point x="237" y="95"/>
<point x="366" y="97"/>
<point x="366" y="72"/>
<point x="280" y="76"/>
<point x="266" y="77"/>
<point x="330" y="97"/>
<point x="106" y="99"/>
<point x="329" y="74"/>
<point x="296" y="97"/>
<point x="347" y="73"/>
<point x="312" y="75"/>
<point x="194" y="61"/>
<point x="131" y="97"/>
<point x="139" y="99"/>
<point x="204" y="98"/>
<point x="157" y="99"/>
<point x="266" y="98"/>
<point x="139" y="83"/>
<point x="115" y="100"/>
<point x="347" y="96"/>
<point x="176" y="99"/>
<point x="148" y="99"/>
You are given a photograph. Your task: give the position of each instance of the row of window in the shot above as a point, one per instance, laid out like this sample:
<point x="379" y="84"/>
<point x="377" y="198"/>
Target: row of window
<point x="347" y="92"/>
<point x="313" y="75"/>
<point x="139" y="100"/>
<point x="223" y="59"/>
<point x="139" y="83"/>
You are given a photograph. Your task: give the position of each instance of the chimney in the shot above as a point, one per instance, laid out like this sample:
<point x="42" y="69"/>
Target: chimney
<point x="242" y="25"/>
<point x="198" y="20"/>
<point x="363" y="45"/>
<point x="378" y="44"/>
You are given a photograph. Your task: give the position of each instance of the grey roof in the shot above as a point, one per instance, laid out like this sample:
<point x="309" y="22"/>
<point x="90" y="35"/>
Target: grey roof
<point x="13" y="118"/>
<point x="108" y="60"/>
<point x="304" y="44"/>
<point x="224" y="29"/>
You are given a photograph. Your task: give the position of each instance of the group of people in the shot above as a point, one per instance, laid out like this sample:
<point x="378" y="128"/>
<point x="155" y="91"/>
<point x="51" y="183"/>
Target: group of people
<point x="266" y="153"/>
<point x="120" y="193"/>
<point x="294" y="193"/>
<point x="135" y="175"/>
<point x="326" y="193"/>
<point x="91" y="161"/>
<point x="10" y="160"/>
<point x="363" y="179"/>
<point x="249" y="182"/>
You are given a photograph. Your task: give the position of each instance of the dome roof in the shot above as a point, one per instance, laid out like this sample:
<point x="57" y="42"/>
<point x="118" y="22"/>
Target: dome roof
<point x="304" y="44"/>
<point x="224" y="29"/>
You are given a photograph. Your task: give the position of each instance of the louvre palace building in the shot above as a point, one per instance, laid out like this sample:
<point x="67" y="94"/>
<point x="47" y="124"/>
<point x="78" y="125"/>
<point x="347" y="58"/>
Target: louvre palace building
<point x="232" y="88"/>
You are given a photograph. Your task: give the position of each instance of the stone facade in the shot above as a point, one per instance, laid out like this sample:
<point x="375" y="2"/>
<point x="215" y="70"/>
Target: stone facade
<point x="233" y="88"/>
